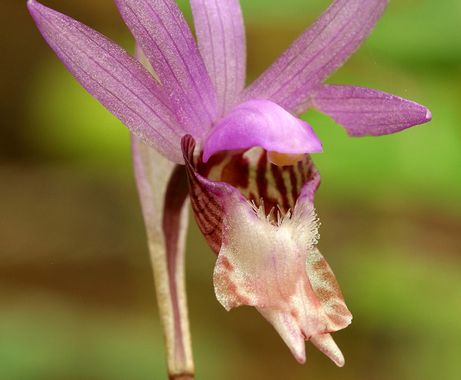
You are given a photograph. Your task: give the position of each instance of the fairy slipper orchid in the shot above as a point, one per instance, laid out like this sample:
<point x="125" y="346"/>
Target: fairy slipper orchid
<point x="241" y="155"/>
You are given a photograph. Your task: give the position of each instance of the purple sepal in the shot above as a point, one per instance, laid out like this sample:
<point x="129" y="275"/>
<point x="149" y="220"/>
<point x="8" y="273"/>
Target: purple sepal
<point x="221" y="39"/>
<point x="317" y="53"/>
<point x="366" y="112"/>
<point x="165" y="38"/>
<point x="113" y="77"/>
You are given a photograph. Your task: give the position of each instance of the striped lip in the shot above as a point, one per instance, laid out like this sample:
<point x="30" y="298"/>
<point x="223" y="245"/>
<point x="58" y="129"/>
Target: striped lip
<point x="258" y="180"/>
<point x="260" y="220"/>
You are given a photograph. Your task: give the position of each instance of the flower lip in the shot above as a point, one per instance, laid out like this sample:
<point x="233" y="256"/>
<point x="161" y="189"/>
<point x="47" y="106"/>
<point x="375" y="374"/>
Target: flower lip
<point x="264" y="124"/>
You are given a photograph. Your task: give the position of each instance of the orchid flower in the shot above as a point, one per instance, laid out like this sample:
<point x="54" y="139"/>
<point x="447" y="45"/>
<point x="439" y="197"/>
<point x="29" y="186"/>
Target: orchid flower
<point x="241" y="155"/>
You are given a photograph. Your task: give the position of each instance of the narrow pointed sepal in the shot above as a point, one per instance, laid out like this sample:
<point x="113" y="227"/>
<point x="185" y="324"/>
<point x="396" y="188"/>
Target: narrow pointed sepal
<point x="164" y="36"/>
<point x="221" y="39"/>
<point x="113" y="77"/>
<point x="317" y="53"/>
<point x="367" y="112"/>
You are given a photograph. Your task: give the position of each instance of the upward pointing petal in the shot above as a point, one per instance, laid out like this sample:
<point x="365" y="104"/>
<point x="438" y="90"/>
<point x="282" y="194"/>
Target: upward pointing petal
<point x="164" y="36"/>
<point x="117" y="80"/>
<point x="221" y="39"/>
<point x="317" y="53"/>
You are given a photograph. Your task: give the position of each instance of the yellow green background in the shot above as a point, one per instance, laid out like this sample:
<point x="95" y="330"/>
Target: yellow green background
<point x="76" y="290"/>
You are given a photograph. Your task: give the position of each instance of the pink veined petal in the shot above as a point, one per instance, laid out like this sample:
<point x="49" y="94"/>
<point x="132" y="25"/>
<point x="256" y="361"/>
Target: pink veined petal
<point x="265" y="124"/>
<point x="221" y="40"/>
<point x="317" y="53"/>
<point x="165" y="38"/>
<point x="367" y="112"/>
<point x="117" y="80"/>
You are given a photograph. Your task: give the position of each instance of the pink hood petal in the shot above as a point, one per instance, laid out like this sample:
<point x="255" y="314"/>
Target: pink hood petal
<point x="265" y="124"/>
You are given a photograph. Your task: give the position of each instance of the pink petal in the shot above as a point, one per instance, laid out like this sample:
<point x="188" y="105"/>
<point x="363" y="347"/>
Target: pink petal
<point x="221" y="39"/>
<point x="165" y="38"/>
<point x="367" y="112"/>
<point x="117" y="80"/>
<point x="265" y="124"/>
<point x="317" y="53"/>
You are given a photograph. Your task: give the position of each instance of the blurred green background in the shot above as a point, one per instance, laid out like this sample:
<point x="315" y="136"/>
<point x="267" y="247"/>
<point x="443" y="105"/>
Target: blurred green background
<point x="76" y="289"/>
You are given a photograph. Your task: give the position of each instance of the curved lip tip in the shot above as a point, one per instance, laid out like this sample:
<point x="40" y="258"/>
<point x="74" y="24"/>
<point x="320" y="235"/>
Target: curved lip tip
<point x="337" y="358"/>
<point x="300" y="357"/>
<point x="298" y="351"/>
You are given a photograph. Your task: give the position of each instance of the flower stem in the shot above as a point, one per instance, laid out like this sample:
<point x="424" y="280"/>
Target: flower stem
<point x="163" y="192"/>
